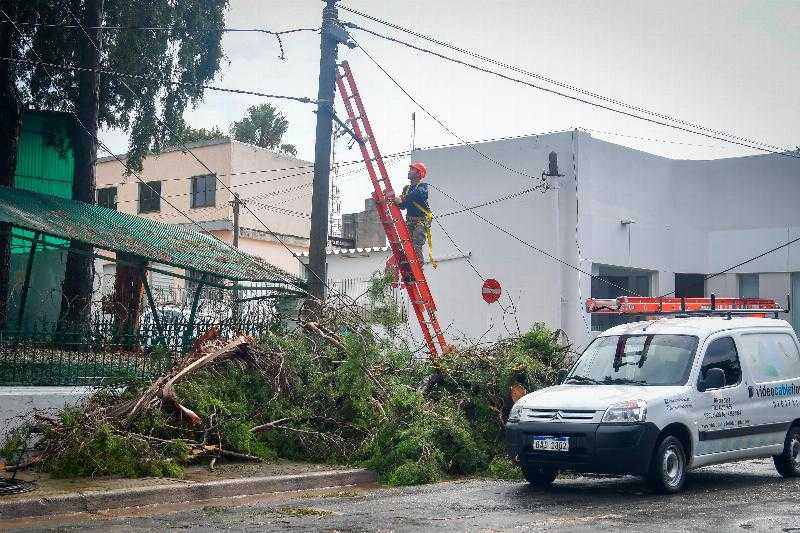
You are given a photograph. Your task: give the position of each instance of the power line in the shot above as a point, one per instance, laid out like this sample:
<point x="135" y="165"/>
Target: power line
<point x="754" y="258"/>
<point x="442" y="124"/>
<point x="103" y="145"/>
<point x="301" y="99"/>
<point x="274" y="235"/>
<point x="731" y="140"/>
<point x="549" y="79"/>
<point x="276" y="34"/>
<point x="531" y="245"/>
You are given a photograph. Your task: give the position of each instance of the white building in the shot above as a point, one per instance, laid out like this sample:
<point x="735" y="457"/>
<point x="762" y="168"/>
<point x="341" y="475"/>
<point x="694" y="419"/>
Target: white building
<point x="643" y="222"/>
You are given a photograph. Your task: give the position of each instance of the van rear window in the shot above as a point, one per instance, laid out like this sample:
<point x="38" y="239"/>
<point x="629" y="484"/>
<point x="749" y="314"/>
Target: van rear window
<point x="770" y="356"/>
<point x="636" y="359"/>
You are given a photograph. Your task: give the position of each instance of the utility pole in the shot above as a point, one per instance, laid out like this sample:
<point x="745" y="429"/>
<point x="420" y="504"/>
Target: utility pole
<point x="236" y="202"/>
<point x="331" y="36"/>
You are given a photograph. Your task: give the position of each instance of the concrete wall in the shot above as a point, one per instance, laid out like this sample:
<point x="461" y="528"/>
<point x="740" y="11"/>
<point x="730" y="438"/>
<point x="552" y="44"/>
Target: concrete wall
<point x="279" y="187"/>
<point x="17" y="403"/>
<point x="174" y="170"/>
<point x="689" y="217"/>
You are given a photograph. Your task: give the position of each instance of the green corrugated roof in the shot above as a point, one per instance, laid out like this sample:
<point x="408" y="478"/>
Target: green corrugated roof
<point x="120" y="232"/>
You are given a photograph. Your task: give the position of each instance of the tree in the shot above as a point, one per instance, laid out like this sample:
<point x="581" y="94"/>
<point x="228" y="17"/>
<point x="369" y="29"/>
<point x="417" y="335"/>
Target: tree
<point x="184" y="133"/>
<point x="149" y="106"/>
<point x="11" y="111"/>
<point x="263" y="126"/>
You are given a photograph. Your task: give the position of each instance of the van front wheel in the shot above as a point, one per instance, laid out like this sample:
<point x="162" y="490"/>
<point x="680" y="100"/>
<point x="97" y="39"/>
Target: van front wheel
<point x="668" y="469"/>
<point x="788" y="463"/>
<point x="539" y="477"/>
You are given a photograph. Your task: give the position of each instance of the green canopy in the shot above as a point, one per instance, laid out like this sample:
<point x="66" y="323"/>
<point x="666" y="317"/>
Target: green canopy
<point x="120" y="232"/>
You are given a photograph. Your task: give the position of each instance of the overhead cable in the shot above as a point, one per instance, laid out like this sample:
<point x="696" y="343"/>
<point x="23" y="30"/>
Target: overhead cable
<point x="301" y="99"/>
<point x="548" y="79"/>
<point x="763" y="148"/>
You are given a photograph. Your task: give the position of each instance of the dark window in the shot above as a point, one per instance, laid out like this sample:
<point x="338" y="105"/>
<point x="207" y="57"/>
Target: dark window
<point x="150" y="197"/>
<point x="107" y="197"/>
<point x="204" y="191"/>
<point x="721" y="353"/>
<point x="748" y="286"/>
<point x="690" y="285"/>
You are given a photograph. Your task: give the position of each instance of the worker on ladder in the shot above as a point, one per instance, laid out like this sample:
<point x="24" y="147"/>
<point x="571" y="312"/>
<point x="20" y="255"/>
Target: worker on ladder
<point x="414" y="200"/>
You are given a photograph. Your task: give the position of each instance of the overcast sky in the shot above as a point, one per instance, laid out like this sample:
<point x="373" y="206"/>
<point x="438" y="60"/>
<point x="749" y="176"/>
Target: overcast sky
<point x="730" y="65"/>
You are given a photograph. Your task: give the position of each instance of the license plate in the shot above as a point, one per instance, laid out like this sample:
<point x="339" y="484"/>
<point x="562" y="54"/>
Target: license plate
<point x="551" y="444"/>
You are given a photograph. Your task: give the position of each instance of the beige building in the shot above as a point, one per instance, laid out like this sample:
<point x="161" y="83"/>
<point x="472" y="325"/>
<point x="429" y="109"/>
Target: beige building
<point x="276" y="187"/>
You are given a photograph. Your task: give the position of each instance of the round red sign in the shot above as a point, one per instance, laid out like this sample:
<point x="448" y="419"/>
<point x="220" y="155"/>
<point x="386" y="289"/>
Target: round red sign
<point x="491" y="290"/>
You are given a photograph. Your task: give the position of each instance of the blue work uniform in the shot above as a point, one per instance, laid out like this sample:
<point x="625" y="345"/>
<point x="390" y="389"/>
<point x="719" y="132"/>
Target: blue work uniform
<point x="416" y="199"/>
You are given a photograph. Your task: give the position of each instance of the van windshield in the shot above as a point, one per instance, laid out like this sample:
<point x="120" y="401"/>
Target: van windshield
<point x="636" y="359"/>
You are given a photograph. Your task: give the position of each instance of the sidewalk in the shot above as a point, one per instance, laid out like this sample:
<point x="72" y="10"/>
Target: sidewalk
<point x="60" y="496"/>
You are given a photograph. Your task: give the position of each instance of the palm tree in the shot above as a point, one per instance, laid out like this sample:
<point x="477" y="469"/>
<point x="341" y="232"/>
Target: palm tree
<point x="263" y="126"/>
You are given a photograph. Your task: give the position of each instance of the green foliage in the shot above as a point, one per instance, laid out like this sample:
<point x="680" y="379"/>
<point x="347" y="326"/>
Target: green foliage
<point x="383" y="308"/>
<point x="263" y="126"/>
<point x="503" y="468"/>
<point x="184" y="134"/>
<point x="361" y="400"/>
<point x="97" y="449"/>
<point x="189" y="51"/>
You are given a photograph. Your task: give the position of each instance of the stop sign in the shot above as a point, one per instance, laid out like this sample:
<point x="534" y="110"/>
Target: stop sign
<point x="491" y="290"/>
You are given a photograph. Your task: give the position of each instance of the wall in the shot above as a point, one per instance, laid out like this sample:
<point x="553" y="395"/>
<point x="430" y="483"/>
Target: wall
<point x="174" y="169"/>
<point x="689" y="217"/>
<point x="17" y="403"/>
<point x="531" y="283"/>
<point x="281" y="186"/>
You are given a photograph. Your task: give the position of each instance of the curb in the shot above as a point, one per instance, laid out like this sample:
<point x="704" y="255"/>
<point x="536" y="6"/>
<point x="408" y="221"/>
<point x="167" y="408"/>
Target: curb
<point x="94" y="501"/>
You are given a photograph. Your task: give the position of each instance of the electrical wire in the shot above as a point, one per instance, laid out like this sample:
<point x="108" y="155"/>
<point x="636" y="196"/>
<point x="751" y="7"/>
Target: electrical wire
<point x="442" y="124"/>
<point x="103" y="145"/>
<point x="198" y="160"/>
<point x="754" y="258"/>
<point x="548" y="79"/>
<point x="301" y="99"/>
<point x="779" y="151"/>
<point x="529" y="244"/>
<point x="276" y="34"/>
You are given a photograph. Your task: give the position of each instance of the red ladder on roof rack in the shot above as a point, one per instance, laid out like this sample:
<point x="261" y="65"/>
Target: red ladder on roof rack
<point x="392" y="219"/>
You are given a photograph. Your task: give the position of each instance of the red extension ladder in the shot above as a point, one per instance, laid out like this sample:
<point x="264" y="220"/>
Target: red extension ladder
<point x="392" y="219"/>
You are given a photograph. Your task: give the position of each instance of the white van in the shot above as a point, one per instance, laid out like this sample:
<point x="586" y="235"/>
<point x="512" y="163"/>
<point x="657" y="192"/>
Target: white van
<point x="661" y="397"/>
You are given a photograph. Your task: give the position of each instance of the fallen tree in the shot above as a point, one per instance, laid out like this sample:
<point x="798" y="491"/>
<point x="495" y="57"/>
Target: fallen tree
<point x="333" y="390"/>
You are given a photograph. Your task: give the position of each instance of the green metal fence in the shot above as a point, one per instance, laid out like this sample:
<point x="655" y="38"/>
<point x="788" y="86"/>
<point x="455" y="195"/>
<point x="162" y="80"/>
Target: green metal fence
<point x="99" y="354"/>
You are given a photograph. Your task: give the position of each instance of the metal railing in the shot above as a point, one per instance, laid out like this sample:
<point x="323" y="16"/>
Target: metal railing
<point x="98" y="353"/>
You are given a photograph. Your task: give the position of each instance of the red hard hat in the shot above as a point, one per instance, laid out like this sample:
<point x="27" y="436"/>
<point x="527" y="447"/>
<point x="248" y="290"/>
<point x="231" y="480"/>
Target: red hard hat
<point x="419" y="167"/>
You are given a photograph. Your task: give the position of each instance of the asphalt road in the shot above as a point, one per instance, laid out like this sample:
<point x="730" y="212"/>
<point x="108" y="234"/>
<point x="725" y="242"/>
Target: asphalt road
<point x="747" y="496"/>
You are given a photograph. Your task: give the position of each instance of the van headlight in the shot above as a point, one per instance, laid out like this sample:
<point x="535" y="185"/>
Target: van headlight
<point x="628" y="412"/>
<point x="514" y="415"/>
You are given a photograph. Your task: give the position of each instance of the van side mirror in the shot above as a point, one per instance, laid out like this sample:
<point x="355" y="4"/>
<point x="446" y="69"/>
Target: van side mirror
<point x="561" y="375"/>
<point x="715" y="379"/>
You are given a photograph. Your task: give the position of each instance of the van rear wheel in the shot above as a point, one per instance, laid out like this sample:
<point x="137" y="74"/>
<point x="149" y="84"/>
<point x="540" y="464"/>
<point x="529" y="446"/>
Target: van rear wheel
<point x="668" y="469"/>
<point x="788" y="463"/>
<point x="539" y="477"/>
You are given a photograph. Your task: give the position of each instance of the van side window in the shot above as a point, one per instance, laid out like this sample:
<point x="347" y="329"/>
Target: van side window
<point x="771" y="356"/>
<point x="721" y="353"/>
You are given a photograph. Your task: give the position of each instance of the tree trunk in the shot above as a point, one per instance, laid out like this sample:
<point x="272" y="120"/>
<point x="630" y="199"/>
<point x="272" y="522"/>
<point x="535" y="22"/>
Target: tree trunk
<point x="77" y="287"/>
<point x="11" y="113"/>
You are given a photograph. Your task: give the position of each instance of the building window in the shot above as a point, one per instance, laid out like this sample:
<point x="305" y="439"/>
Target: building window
<point x="612" y="282"/>
<point x="150" y="197"/>
<point x="690" y="285"/>
<point x="204" y="191"/>
<point x="748" y="285"/>
<point x="107" y="197"/>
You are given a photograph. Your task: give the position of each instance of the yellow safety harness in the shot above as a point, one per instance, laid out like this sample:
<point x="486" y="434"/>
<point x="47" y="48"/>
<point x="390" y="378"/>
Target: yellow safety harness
<point x="428" y="235"/>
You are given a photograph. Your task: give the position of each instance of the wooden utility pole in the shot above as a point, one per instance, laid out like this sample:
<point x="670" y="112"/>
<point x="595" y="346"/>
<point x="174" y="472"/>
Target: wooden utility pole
<point x="236" y="203"/>
<point x="317" y="268"/>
